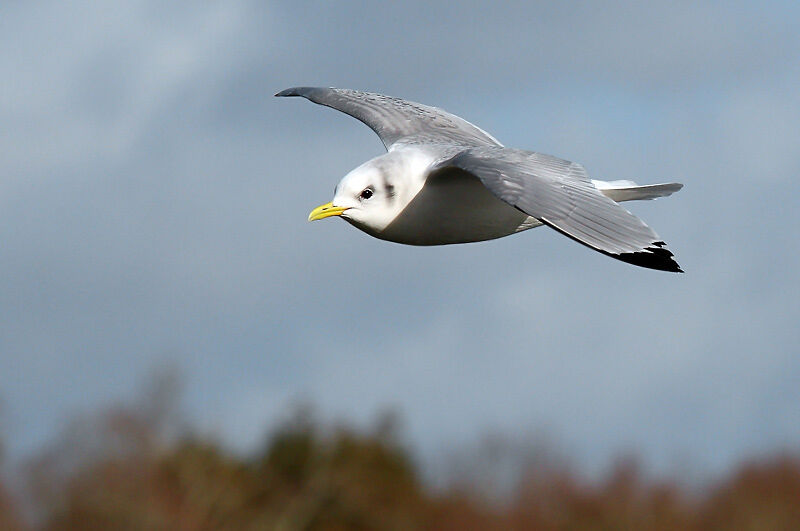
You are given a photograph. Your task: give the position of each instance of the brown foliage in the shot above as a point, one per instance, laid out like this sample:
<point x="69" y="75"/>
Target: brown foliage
<point x="125" y="469"/>
<point x="9" y="517"/>
<point x="305" y="479"/>
<point x="760" y="495"/>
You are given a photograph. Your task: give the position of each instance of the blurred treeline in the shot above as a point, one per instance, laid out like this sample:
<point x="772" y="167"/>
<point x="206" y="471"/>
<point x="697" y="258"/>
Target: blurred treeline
<point x="133" y="467"/>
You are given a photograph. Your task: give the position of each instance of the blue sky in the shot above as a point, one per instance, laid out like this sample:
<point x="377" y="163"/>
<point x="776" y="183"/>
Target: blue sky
<point x="153" y="198"/>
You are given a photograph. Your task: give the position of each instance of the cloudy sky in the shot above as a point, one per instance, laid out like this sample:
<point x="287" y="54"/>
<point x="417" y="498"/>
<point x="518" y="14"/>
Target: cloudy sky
<point x="153" y="203"/>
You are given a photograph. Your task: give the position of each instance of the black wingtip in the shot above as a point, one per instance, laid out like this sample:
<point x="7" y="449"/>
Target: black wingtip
<point x="655" y="257"/>
<point x="305" y="92"/>
<point x="287" y="92"/>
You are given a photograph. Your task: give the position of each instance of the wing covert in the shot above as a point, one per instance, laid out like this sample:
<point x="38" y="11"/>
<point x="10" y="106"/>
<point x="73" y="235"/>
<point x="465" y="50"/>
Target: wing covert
<point x="396" y="120"/>
<point x="559" y="193"/>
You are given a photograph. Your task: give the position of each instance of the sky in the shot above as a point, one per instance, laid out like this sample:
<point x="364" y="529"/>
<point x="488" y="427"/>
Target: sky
<point x="154" y="195"/>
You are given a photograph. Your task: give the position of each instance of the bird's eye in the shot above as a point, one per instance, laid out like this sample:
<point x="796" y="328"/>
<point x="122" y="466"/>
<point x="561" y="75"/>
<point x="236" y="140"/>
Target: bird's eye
<point x="366" y="193"/>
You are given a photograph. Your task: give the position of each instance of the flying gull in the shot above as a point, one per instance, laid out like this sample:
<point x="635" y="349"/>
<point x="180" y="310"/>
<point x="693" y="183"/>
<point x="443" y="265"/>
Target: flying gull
<point x="444" y="180"/>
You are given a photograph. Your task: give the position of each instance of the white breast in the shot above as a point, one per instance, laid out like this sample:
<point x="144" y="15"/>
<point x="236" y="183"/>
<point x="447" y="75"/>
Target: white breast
<point x="454" y="207"/>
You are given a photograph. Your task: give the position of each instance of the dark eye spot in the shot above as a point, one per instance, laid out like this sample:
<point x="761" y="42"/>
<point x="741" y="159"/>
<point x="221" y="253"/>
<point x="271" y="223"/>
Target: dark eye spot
<point x="366" y="193"/>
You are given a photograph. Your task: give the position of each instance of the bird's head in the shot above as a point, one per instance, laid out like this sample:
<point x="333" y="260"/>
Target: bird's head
<point x="370" y="196"/>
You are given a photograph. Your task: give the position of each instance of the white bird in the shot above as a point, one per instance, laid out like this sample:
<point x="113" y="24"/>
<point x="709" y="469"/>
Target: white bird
<point x="444" y="180"/>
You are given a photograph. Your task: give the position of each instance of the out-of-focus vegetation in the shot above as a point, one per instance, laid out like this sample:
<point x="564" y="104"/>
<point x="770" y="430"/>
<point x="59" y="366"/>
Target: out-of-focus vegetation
<point x="130" y="468"/>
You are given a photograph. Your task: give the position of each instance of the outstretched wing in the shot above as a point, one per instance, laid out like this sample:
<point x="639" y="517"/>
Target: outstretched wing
<point x="396" y="120"/>
<point x="559" y="194"/>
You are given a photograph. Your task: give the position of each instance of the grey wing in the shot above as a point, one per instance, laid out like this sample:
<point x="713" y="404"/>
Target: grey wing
<point x="396" y="120"/>
<point x="559" y="193"/>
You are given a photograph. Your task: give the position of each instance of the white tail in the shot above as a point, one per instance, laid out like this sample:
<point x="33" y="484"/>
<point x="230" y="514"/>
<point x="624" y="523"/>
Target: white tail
<point x="629" y="190"/>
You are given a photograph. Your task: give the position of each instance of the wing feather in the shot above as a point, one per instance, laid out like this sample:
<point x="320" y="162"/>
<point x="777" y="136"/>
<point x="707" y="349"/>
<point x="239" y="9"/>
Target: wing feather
<point x="559" y="193"/>
<point x="396" y="120"/>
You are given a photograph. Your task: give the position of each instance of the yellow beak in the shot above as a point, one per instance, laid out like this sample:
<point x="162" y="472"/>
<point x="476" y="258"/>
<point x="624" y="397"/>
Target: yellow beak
<point x="325" y="211"/>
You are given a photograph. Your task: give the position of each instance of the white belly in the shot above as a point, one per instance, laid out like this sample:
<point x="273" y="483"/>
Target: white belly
<point x="455" y="207"/>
